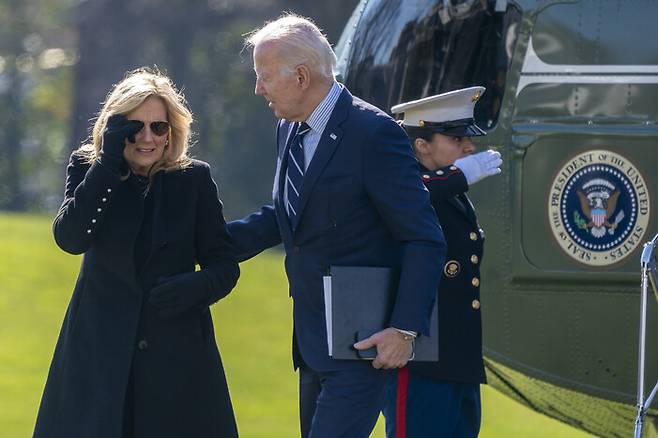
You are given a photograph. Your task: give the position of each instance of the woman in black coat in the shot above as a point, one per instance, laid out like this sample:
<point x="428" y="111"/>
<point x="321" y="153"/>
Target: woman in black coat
<point x="136" y="356"/>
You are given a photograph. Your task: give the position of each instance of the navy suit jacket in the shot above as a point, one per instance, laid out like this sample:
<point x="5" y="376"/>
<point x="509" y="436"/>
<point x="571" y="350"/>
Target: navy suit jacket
<point x="362" y="203"/>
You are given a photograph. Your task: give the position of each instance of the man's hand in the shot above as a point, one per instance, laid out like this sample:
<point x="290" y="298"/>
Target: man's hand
<point x="481" y="165"/>
<point x="392" y="349"/>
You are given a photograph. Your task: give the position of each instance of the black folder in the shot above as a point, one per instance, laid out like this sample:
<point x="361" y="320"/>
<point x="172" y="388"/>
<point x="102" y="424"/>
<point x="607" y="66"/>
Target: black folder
<point x="359" y="303"/>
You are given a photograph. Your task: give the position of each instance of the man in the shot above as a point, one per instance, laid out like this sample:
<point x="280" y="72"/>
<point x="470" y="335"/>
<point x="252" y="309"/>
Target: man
<point x="346" y="192"/>
<point x="442" y="399"/>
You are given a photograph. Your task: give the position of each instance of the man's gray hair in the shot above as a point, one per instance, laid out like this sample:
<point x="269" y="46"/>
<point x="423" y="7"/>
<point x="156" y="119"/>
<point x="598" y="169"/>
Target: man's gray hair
<point x="302" y="43"/>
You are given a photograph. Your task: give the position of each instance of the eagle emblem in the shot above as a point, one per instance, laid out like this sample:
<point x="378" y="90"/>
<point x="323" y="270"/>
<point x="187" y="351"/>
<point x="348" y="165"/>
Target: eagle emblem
<point x="598" y="207"/>
<point x="598" y="202"/>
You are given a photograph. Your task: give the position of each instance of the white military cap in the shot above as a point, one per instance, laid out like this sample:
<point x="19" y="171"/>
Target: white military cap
<point x="448" y="113"/>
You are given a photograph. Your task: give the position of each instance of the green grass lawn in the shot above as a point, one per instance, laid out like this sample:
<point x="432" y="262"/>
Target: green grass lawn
<point x="253" y="328"/>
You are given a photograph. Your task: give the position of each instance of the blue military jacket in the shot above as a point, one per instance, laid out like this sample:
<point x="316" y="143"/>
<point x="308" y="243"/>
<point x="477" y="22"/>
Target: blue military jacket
<point x="460" y="323"/>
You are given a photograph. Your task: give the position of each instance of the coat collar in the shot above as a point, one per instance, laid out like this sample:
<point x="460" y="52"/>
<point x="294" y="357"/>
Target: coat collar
<point x="463" y="204"/>
<point x="159" y="217"/>
<point x="159" y="235"/>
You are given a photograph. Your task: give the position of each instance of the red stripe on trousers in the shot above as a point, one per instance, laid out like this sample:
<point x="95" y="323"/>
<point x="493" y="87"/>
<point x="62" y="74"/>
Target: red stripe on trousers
<point x="401" y="403"/>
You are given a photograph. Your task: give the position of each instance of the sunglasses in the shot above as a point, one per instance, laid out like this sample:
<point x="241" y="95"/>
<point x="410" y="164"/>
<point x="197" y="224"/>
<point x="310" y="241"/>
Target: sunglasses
<point x="159" y="128"/>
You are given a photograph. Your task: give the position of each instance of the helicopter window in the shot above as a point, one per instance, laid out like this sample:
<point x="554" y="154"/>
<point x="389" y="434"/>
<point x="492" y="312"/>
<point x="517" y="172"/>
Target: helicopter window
<point x="592" y="32"/>
<point x="397" y="51"/>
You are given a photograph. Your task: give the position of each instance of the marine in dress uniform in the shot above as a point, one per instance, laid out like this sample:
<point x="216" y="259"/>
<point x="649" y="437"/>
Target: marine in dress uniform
<point x="442" y="399"/>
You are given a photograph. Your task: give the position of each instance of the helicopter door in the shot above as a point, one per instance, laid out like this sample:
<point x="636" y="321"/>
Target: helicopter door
<point x="584" y="134"/>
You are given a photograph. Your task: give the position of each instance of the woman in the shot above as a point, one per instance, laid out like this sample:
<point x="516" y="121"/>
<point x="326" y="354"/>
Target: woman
<point x="136" y="356"/>
<point x="442" y="399"/>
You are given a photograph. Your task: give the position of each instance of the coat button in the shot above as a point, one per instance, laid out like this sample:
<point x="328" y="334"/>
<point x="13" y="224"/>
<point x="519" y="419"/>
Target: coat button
<point x="475" y="281"/>
<point x="475" y="304"/>
<point x="425" y="176"/>
<point x="93" y="221"/>
<point x="88" y="231"/>
<point x="104" y="199"/>
<point x="99" y="210"/>
<point x="453" y="167"/>
<point x="473" y="236"/>
<point x="439" y="172"/>
<point x="474" y="259"/>
<point x="142" y="345"/>
<point x="109" y="190"/>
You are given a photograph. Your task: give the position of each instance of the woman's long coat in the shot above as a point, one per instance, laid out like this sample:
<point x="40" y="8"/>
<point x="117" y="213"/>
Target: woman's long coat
<point x="110" y="330"/>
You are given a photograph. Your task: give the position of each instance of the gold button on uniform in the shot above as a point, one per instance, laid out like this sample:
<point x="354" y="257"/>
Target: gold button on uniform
<point x="474" y="259"/>
<point x="475" y="304"/>
<point x="475" y="281"/>
<point x="473" y="236"/>
<point x="451" y="268"/>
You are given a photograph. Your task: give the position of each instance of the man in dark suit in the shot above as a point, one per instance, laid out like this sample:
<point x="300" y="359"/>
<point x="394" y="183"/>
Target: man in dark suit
<point x="346" y="192"/>
<point x="442" y="399"/>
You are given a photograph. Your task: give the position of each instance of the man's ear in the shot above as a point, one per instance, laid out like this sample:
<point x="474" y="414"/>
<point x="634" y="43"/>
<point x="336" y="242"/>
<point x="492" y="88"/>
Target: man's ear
<point x="303" y="76"/>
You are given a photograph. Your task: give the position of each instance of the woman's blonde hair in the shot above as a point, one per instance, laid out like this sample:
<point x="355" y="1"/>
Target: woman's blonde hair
<point x="130" y="93"/>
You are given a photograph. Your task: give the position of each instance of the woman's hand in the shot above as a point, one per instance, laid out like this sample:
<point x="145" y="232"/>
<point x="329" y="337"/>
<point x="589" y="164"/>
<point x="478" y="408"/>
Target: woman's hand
<point x="117" y="130"/>
<point x="181" y="293"/>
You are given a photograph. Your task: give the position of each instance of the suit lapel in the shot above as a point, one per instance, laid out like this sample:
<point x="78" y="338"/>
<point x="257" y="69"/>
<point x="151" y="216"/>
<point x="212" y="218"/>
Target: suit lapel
<point x="331" y="138"/>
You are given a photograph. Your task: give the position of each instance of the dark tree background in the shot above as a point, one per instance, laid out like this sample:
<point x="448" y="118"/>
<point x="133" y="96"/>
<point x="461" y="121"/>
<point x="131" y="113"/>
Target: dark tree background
<point x="58" y="60"/>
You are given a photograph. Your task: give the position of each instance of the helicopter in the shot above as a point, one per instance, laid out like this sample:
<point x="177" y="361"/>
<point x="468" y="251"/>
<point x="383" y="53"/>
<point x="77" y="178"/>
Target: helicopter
<point x="570" y="103"/>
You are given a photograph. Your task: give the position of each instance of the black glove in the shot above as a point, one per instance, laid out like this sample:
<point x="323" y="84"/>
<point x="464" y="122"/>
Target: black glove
<point x="117" y="129"/>
<point x="181" y="293"/>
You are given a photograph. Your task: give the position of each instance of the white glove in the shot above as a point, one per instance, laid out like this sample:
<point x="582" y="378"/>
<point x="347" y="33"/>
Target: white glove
<point x="481" y="165"/>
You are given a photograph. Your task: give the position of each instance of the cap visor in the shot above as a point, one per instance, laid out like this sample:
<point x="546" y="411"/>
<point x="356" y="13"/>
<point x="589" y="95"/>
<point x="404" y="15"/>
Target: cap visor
<point x="471" y="130"/>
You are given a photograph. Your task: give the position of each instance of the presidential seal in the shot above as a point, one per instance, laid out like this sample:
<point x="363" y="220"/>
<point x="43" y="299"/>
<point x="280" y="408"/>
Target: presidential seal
<point x="598" y="208"/>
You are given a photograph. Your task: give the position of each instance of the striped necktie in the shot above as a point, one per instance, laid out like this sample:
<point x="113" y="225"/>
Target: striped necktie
<point x="295" y="173"/>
